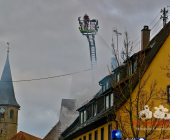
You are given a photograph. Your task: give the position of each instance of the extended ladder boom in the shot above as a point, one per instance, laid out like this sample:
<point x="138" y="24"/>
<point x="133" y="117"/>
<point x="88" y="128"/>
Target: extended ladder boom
<point x="92" y="49"/>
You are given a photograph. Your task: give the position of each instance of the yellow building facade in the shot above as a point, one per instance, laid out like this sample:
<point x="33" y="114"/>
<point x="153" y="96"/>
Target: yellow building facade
<point x="138" y="104"/>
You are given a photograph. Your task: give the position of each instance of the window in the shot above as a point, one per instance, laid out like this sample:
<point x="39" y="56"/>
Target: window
<point x="84" y="138"/>
<point x="85" y="115"/>
<point x="90" y="137"/>
<point x="107" y="101"/>
<point x="130" y="70"/>
<point x="81" y="115"/>
<point x="103" y="87"/>
<point x="107" y="85"/>
<point x="109" y="131"/>
<point x="2" y="115"/>
<point x="95" y="109"/>
<point x="168" y="91"/>
<point x="11" y="113"/>
<point x="134" y="66"/>
<point x="111" y="99"/>
<point x="102" y="133"/>
<point x="79" y="138"/>
<point x="118" y="77"/>
<point x="96" y="135"/>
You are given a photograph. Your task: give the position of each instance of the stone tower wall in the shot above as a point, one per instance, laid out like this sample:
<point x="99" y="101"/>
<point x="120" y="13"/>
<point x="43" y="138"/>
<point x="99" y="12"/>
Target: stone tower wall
<point x="8" y="126"/>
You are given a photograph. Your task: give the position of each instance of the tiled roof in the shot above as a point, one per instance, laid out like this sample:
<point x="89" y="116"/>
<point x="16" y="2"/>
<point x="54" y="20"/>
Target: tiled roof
<point x="24" y="136"/>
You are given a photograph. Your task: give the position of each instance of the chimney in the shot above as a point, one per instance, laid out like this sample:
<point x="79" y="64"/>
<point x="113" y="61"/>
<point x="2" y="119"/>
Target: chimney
<point x="145" y="37"/>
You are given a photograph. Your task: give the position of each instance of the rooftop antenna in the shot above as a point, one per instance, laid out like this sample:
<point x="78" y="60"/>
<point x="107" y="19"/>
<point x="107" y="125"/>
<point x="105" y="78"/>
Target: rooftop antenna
<point x="117" y="33"/>
<point x="164" y="16"/>
<point x="8" y="46"/>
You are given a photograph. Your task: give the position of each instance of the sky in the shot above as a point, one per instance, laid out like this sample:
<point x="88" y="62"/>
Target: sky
<point x="45" y="41"/>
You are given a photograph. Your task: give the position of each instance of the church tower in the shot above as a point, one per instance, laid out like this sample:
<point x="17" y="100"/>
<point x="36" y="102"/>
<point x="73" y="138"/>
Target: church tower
<point x="8" y="104"/>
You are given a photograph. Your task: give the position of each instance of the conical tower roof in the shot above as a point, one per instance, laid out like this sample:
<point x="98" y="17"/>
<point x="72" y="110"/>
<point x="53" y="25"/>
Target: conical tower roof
<point x="7" y="95"/>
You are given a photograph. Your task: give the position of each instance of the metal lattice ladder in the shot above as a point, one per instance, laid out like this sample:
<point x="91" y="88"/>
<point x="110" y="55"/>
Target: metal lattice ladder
<point x="92" y="48"/>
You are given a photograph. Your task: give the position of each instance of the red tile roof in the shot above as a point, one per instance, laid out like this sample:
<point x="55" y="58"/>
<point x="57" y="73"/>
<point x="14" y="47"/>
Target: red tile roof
<point x="24" y="136"/>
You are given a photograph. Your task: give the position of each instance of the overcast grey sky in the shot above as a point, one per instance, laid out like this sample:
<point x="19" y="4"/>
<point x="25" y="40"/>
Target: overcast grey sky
<point x="45" y="41"/>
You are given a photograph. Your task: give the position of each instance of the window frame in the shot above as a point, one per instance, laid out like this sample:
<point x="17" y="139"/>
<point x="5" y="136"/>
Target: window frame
<point x="95" y="108"/>
<point x="109" y="100"/>
<point x="107" y="103"/>
<point x="84" y="116"/>
<point x="81" y="117"/>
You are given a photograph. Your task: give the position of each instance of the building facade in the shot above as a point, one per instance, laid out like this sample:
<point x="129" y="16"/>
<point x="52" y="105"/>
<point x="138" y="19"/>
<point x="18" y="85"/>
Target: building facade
<point x="135" y="98"/>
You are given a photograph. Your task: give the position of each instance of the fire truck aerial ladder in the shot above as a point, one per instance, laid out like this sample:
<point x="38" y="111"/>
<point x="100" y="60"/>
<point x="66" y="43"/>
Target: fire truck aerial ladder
<point x="89" y="28"/>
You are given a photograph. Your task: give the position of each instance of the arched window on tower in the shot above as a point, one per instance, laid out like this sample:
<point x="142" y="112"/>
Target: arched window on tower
<point x="2" y="115"/>
<point x="11" y="113"/>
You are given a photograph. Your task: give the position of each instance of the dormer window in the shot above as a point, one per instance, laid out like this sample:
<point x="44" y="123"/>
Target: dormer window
<point x="95" y="109"/>
<point x="109" y="101"/>
<point x="103" y="87"/>
<point x="83" y="116"/>
<point x="118" y="77"/>
<point x="130" y="70"/>
<point x="134" y="66"/>
<point x="107" y="85"/>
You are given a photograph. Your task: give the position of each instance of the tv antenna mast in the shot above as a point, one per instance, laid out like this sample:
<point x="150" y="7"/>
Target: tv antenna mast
<point x="117" y="34"/>
<point x="164" y="16"/>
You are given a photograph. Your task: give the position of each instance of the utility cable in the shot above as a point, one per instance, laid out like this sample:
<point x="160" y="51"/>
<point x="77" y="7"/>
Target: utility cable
<point x="154" y="19"/>
<point x="149" y="25"/>
<point x="156" y="28"/>
<point x="45" y="78"/>
<point x="104" y="41"/>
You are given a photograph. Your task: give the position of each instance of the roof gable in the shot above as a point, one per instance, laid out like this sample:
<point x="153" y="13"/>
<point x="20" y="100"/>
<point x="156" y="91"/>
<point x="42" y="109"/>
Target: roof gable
<point x="24" y="136"/>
